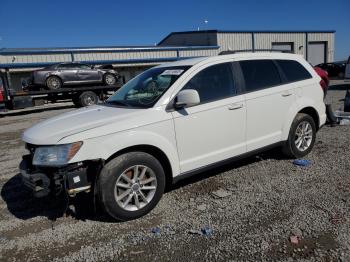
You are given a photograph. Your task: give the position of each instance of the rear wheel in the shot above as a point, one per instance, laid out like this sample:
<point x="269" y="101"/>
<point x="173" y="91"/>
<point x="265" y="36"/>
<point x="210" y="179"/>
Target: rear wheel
<point x="131" y="185"/>
<point x="53" y="82"/>
<point x="109" y="79"/>
<point x="301" y="137"/>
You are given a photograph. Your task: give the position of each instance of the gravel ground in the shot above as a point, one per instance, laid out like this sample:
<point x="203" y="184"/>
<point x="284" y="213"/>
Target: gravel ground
<point x="245" y="211"/>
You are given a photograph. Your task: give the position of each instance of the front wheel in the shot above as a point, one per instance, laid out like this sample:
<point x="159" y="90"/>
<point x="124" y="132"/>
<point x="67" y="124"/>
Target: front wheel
<point x="301" y="137"/>
<point x="131" y="185"/>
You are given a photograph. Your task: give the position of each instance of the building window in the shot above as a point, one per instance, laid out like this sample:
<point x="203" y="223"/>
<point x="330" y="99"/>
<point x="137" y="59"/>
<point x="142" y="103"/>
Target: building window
<point x="285" y="46"/>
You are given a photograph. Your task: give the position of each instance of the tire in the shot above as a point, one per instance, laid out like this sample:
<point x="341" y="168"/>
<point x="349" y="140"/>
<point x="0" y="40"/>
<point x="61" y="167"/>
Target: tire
<point x="112" y="173"/>
<point x="87" y="98"/>
<point x="306" y="123"/>
<point x="53" y="82"/>
<point x="109" y="79"/>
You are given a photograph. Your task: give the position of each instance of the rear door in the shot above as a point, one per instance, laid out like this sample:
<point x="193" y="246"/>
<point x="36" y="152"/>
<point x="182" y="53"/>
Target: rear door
<point x="268" y="101"/>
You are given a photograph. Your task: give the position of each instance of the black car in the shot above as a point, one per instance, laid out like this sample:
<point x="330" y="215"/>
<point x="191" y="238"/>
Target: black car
<point x="58" y="75"/>
<point x="336" y="69"/>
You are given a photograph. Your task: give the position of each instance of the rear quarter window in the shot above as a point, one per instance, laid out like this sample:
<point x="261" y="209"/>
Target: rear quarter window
<point x="293" y="70"/>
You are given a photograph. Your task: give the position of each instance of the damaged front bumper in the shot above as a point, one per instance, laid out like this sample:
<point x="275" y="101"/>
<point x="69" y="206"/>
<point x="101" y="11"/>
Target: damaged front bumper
<point x="73" y="178"/>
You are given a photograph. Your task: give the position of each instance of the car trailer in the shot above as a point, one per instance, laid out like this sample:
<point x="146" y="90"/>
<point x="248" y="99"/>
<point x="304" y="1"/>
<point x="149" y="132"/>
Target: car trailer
<point x="80" y="95"/>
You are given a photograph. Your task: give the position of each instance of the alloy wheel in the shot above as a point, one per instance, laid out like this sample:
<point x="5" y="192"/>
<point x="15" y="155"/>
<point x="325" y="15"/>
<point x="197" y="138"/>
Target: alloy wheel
<point x="303" y="136"/>
<point x="135" y="188"/>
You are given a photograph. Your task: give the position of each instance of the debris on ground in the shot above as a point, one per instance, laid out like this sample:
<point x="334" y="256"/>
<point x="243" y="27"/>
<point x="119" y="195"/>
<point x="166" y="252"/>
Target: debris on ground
<point x="156" y="230"/>
<point x="136" y="252"/>
<point x="195" y="232"/>
<point x="294" y="240"/>
<point x="207" y="231"/>
<point x="221" y="193"/>
<point x="302" y="162"/>
<point x="202" y="207"/>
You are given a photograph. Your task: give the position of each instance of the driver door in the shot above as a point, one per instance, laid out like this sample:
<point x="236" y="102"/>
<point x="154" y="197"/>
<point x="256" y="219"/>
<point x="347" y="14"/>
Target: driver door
<point x="215" y="129"/>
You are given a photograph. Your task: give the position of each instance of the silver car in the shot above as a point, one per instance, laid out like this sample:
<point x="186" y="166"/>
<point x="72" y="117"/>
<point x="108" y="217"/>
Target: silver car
<point x="58" y="75"/>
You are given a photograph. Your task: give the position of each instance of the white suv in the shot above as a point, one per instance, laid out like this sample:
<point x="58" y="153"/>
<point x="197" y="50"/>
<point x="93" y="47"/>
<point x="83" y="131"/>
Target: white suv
<point x="172" y="121"/>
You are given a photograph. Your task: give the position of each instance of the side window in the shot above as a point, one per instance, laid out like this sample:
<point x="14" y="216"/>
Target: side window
<point x="293" y="70"/>
<point x="83" y="67"/>
<point x="259" y="74"/>
<point x="66" y="66"/>
<point x="213" y="83"/>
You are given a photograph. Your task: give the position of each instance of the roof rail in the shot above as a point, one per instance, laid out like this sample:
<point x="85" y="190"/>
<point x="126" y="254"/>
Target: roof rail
<point x="227" y="52"/>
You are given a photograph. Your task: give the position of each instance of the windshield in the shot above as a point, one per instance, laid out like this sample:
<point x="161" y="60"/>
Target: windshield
<point x="145" y="89"/>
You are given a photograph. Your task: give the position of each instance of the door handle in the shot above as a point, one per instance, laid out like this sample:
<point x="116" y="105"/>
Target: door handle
<point x="235" y="106"/>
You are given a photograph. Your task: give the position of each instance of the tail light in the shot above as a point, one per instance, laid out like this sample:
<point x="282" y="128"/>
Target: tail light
<point x="323" y="84"/>
<point x="1" y="93"/>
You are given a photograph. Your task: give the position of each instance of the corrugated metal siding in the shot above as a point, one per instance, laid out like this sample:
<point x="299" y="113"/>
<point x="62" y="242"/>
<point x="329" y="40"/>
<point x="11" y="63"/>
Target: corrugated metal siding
<point x="123" y="55"/>
<point x="241" y="41"/>
<point x="234" y="41"/>
<point x="324" y="37"/>
<point x="9" y="59"/>
<point x="203" y="52"/>
<point x="265" y="40"/>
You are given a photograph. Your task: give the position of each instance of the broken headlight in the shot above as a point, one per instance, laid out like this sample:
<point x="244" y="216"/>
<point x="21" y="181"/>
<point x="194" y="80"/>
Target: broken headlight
<point x="57" y="155"/>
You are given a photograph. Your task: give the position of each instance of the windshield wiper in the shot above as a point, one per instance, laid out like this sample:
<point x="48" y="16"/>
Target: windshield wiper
<point x="118" y="102"/>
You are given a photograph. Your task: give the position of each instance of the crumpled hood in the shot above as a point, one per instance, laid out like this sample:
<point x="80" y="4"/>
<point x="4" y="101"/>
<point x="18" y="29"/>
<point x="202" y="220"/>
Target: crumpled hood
<point x="52" y="130"/>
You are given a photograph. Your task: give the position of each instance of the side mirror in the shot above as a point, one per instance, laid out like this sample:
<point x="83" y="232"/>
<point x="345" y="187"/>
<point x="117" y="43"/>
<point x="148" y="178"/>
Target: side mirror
<point x="186" y="98"/>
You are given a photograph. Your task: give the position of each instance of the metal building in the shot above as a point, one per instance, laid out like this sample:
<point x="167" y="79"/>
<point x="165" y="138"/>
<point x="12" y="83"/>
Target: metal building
<point x="316" y="46"/>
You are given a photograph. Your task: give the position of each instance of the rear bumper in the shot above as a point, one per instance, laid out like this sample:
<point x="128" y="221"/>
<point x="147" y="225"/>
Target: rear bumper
<point x="72" y="179"/>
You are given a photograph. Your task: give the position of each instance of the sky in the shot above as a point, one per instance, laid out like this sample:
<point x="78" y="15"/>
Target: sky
<point x="83" y="23"/>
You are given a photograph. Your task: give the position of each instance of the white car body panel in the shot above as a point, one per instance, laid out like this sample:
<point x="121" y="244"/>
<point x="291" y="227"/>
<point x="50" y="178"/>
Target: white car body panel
<point x="264" y="121"/>
<point x="193" y="137"/>
<point x="220" y="137"/>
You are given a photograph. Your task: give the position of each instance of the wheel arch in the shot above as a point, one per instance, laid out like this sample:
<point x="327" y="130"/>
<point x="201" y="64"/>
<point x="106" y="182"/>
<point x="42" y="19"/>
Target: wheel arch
<point x="155" y="152"/>
<point x="313" y="113"/>
<point x="56" y="75"/>
<point x="302" y="107"/>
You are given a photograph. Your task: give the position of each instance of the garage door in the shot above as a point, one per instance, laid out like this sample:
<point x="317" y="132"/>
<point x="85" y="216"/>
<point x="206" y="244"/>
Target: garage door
<point x="317" y="53"/>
